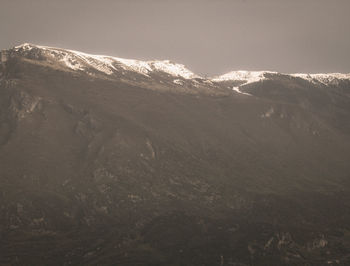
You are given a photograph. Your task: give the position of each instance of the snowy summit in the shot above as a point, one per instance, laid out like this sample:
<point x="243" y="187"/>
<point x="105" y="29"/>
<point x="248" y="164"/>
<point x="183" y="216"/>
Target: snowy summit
<point x="109" y="64"/>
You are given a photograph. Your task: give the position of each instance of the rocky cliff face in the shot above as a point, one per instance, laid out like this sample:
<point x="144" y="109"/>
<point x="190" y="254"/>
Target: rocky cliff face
<point x="157" y="166"/>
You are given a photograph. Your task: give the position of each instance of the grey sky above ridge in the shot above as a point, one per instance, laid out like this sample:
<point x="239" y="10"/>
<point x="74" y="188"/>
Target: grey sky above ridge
<point x="209" y="37"/>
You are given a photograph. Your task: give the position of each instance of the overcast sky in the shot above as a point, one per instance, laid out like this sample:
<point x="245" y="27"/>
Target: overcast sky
<point x="209" y="36"/>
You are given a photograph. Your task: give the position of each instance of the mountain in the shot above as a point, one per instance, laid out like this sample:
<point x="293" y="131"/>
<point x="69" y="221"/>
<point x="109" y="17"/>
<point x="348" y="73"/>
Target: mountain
<point x="110" y="161"/>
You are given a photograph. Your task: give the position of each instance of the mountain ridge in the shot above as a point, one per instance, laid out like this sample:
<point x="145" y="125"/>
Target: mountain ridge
<point x="178" y="70"/>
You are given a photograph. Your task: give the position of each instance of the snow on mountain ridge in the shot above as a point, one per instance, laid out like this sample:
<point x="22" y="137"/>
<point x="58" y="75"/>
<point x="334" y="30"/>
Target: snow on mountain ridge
<point x="243" y="75"/>
<point x="246" y="77"/>
<point x="322" y="78"/>
<point x="255" y="76"/>
<point x="107" y="64"/>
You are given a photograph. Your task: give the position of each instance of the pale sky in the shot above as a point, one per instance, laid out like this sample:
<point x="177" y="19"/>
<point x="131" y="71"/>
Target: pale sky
<point x="209" y="37"/>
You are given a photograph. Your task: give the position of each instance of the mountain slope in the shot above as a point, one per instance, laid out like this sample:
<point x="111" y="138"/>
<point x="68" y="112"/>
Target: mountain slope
<point x="134" y="169"/>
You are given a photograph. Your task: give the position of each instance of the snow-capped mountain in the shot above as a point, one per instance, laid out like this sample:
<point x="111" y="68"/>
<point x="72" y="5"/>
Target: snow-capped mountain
<point x="107" y="64"/>
<point x="255" y="76"/>
<point x="161" y="74"/>
<point x="110" y="161"/>
<point x="110" y="65"/>
<point x="325" y="79"/>
<point x="243" y="75"/>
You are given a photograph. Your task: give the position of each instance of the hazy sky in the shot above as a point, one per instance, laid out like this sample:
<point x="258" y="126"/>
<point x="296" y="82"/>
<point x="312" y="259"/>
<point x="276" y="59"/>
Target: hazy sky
<point x="209" y="37"/>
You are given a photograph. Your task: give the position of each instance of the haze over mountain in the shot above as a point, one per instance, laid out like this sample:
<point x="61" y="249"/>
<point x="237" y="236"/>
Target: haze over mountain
<point x="111" y="161"/>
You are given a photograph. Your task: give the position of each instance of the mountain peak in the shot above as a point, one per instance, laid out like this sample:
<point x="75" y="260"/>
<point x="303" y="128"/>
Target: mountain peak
<point x="76" y="60"/>
<point x="322" y="77"/>
<point x="243" y="75"/>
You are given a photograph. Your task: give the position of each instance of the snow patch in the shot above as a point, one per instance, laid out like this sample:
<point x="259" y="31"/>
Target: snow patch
<point x="242" y="75"/>
<point x="172" y="69"/>
<point x="236" y="89"/>
<point x="134" y="65"/>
